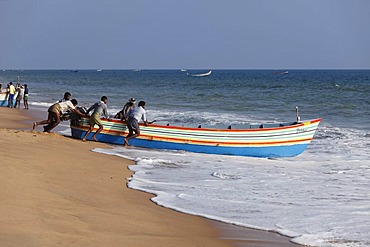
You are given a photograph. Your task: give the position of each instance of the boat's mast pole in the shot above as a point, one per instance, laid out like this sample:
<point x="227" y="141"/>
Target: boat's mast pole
<point x="298" y="117"/>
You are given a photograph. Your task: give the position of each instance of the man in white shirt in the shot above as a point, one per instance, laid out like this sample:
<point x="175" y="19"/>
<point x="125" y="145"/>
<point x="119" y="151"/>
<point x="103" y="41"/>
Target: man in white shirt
<point x="134" y="117"/>
<point x="54" y="113"/>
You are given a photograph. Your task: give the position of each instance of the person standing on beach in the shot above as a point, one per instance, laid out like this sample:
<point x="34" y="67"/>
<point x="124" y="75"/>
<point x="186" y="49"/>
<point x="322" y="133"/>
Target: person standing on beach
<point x="25" y="97"/>
<point x="99" y="109"/>
<point x="134" y="117"/>
<point x="11" y="95"/>
<point x="20" y="94"/>
<point x="54" y="113"/>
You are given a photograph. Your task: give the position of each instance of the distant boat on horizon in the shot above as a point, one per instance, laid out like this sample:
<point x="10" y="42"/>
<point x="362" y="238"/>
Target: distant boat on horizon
<point x="205" y="74"/>
<point x="281" y="72"/>
<point x="183" y="70"/>
<point x="99" y="70"/>
<point x="75" y="70"/>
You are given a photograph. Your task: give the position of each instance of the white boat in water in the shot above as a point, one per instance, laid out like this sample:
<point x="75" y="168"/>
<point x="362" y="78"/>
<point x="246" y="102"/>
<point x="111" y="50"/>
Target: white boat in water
<point x="205" y="74"/>
<point x="281" y="72"/>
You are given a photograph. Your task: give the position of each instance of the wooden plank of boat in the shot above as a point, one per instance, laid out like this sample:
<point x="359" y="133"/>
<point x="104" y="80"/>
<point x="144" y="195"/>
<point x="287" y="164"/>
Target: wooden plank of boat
<point x="266" y="140"/>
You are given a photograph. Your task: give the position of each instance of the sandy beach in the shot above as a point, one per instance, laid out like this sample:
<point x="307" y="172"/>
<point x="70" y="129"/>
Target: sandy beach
<point x="56" y="192"/>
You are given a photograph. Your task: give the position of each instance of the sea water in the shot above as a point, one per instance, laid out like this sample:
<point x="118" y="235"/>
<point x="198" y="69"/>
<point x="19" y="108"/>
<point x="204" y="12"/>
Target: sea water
<point x="319" y="198"/>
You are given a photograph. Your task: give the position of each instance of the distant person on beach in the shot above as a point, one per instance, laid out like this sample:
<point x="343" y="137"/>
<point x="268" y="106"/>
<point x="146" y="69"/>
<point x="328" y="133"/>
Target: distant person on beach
<point x="25" y="97"/>
<point x="11" y="95"/>
<point x="99" y="109"/>
<point x="20" y="95"/>
<point x="67" y="96"/>
<point x="123" y="114"/>
<point x="134" y="117"/>
<point x="54" y="113"/>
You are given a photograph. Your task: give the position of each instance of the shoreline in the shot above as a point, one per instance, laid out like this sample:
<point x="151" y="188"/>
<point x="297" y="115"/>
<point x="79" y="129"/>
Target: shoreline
<point x="149" y="222"/>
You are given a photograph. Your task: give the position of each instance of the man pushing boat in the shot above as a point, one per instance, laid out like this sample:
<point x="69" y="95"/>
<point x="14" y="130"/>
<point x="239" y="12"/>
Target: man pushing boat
<point x="134" y="117"/>
<point x="99" y="108"/>
<point x="54" y="113"/>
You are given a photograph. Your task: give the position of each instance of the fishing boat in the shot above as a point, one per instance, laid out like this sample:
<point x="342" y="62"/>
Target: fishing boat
<point x="257" y="140"/>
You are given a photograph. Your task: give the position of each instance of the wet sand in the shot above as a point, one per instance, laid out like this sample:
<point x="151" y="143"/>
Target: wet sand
<point x="56" y="192"/>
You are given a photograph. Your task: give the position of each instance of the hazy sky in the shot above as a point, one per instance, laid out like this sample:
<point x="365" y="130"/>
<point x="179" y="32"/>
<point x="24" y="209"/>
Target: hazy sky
<point x="207" y="34"/>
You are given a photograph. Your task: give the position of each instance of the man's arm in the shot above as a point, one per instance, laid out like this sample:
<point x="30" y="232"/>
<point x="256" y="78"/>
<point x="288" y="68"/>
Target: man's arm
<point x="105" y="112"/>
<point x="79" y="113"/>
<point x="91" y="107"/>
<point x="143" y="117"/>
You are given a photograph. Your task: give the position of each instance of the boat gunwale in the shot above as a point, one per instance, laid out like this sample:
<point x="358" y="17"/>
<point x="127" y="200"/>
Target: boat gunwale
<point x="153" y="132"/>
<point x="303" y="123"/>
